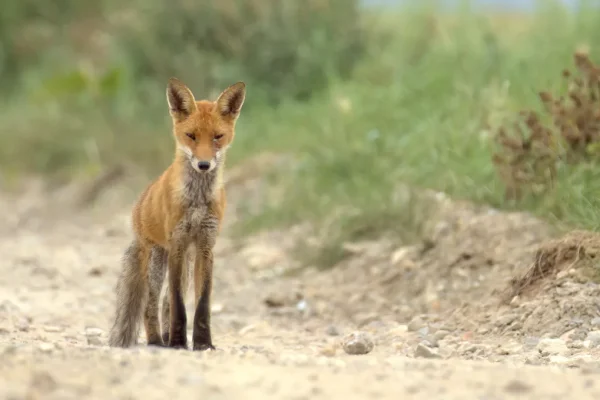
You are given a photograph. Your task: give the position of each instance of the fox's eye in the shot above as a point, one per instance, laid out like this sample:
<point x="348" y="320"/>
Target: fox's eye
<point x="218" y="136"/>
<point x="191" y="136"/>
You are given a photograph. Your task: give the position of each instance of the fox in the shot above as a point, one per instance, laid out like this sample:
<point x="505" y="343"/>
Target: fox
<point x="179" y="213"/>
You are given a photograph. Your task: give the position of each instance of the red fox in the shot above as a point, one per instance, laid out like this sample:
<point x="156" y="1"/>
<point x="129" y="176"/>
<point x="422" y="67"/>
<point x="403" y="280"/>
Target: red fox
<point x="182" y="209"/>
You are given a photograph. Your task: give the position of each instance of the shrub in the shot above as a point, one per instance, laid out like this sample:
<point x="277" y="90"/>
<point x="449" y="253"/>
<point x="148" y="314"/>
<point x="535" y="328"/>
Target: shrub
<point x="531" y="150"/>
<point x="289" y="48"/>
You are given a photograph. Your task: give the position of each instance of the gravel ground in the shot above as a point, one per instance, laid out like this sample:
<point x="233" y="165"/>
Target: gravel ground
<point x="392" y="320"/>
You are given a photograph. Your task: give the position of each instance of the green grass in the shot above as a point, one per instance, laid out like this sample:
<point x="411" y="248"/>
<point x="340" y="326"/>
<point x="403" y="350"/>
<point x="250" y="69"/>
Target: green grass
<point x="414" y="111"/>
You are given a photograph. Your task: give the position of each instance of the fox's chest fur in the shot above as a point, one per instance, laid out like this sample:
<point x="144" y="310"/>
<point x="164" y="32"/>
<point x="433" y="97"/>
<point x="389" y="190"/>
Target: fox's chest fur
<point x="199" y="195"/>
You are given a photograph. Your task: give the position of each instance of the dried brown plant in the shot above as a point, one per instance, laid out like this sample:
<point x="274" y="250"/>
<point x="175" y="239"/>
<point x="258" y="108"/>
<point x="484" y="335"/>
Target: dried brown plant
<point x="530" y="150"/>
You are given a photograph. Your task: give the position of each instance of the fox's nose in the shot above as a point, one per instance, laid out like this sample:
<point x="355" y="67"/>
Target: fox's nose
<point x="203" y="165"/>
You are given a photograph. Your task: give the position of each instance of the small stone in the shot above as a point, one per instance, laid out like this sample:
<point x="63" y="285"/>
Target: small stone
<point x="567" y="335"/>
<point x="52" y="329"/>
<point x="415" y="324"/>
<point x="46" y="347"/>
<point x="332" y="330"/>
<point x="441" y="334"/>
<point x="399" y="330"/>
<point x="423" y="351"/>
<point x="562" y="274"/>
<point x="97" y="271"/>
<point x="594" y="338"/>
<point x="430" y="341"/>
<point x="357" y="343"/>
<point x="93" y="332"/>
<point x="398" y="346"/>
<point x="530" y="342"/>
<point x="94" y="341"/>
<point x="533" y="359"/>
<point x="423" y="331"/>
<point x="483" y="330"/>
<point x="22" y="325"/>
<point x="302" y="305"/>
<point x="517" y="386"/>
<point x="328" y="351"/>
<point x="506" y="320"/>
<point x="515" y="301"/>
<point x="216" y="308"/>
<point x="596" y="321"/>
<point x="552" y="347"/>
<point x="576" y="344"/>
<point x="509" y="348"/>
<point x="561" y="360"/>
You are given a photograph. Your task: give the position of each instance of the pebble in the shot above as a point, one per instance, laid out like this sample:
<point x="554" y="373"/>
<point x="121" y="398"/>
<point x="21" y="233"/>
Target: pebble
<point x="93" y="332"/>
<point x="430" y="341"/>
<point x="22" y="325"/>
<point x="533" y="359"/>
<point x="506" y="320"/>
<point x="510" y="348"/>
<point x="561" y="360"/>
<point x="552" y="347"/>
<point x="328" y="351"/>
<point x="594" y="338"/>
<point x="94" y="341"/>
<point x="46" y="347"/>
<point x="423" y="351"/>
<point x="51" y="329"/>
<point x="441" y="334"/>
<point x="332" y="330"/>
<point x="576" y="344"/>
<point x="596" y="321"/>
<point x="415" y="324"/>
<point x="517" y="386"/>
<point x="515" y="302"/>
<point x="357" y="343"/>
<point x="217" y="308"/>
<point x="530" y="342"/>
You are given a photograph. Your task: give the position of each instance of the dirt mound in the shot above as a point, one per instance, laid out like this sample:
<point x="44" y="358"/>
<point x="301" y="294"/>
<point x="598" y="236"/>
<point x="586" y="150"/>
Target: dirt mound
<point x="578" y="249"/>
<point x="467" y="255"/>
<point x="476" y="270"/>
<point x="558" y="293"/>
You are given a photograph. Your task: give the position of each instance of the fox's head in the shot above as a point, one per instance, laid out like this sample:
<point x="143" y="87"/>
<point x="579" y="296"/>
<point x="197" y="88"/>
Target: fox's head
<point x="204" y="129"/>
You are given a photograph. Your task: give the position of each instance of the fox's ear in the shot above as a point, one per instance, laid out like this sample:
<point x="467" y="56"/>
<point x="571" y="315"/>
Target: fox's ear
<point x="180" y="98"/>
<point x="231" y="100"/>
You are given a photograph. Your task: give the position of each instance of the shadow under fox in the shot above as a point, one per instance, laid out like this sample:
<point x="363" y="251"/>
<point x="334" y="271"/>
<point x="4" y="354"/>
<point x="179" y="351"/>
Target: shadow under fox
<point x="182" y="208"/>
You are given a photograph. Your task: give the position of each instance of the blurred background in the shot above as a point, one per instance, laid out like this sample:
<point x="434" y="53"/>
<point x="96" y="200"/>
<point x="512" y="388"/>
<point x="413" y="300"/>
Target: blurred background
<point x="357" y="97"/>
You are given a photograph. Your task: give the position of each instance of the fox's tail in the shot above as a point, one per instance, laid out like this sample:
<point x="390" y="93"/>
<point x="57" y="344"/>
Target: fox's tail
<point x="132" y="294"/>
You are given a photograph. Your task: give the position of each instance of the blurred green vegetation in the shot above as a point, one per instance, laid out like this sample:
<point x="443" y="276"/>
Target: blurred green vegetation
<point x="364" y="99"/>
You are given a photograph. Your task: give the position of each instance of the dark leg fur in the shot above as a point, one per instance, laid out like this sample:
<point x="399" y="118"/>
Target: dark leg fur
<point x="178" y="319"/>
<point x="166" y="309"/>
<point x="202" y="339"/>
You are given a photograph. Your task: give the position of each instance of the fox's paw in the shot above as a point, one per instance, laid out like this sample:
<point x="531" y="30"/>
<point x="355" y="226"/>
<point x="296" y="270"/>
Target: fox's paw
<point x="180" y="343"/>
<point x="203" y="347"/>
<point x="156" y="343"/>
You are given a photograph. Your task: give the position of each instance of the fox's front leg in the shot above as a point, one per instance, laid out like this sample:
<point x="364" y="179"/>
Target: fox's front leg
<point x="177" y="330"/>
<point x="203" y="268"/>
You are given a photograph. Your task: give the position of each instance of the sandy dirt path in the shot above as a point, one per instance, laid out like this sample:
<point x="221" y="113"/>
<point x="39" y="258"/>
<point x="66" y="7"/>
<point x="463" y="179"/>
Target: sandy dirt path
<point x="57" y="277"/>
